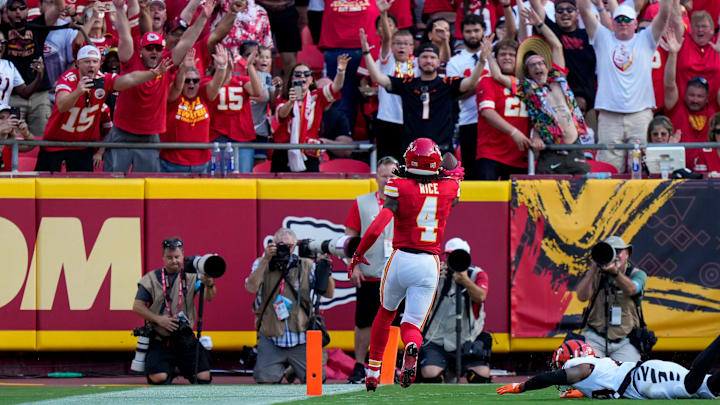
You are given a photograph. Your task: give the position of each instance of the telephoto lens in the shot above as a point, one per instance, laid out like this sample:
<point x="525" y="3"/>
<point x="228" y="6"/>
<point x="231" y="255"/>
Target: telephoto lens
<point x="138" y="363"/>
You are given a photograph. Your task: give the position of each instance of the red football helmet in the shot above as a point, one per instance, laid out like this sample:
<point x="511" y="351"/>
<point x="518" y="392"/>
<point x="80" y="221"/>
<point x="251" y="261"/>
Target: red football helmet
<point x="423" y="157"/>
<point x="569" y="350"/>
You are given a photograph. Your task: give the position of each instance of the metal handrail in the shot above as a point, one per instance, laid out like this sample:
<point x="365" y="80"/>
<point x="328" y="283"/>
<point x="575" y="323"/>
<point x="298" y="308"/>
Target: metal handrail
<point x="355" y="147"/>
<point x="616" y="146"/>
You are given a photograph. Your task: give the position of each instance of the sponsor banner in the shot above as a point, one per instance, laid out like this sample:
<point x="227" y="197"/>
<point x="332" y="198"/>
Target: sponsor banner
<point x="554" y="225"/>
<point x="79" y="247"/>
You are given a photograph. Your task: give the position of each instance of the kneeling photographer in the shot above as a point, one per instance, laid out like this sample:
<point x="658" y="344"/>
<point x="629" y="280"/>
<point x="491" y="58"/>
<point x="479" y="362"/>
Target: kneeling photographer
<point x="462" y="290"/>
<point x="614" y="288"/>
<point x="166" y="301"/>
<point x="285" y="285"/>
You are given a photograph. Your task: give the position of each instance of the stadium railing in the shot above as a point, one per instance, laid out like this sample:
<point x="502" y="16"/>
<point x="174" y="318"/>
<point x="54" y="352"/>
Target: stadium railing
<point x="617" y="146"/>
<point x="354" y="147"/>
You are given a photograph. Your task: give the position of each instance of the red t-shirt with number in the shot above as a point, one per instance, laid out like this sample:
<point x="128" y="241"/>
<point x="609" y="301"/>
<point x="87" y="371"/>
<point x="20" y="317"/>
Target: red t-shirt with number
<point x="423" y="210"/>
<point x="141" y="109"/>
<point x="82" y="121"/>
<point x="693" y="127"/>
<point x="492" y="143"/>
<point x="231" y="112"/>
<point x="188" y="121"/>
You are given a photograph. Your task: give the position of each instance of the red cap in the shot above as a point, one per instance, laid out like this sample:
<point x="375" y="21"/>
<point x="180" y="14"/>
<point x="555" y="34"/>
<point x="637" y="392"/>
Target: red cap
<point x="152" y="38"/>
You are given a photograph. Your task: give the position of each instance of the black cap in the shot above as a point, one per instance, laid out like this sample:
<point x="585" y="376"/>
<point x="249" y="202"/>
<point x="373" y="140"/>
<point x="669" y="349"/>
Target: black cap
<point x="427" y="47"/>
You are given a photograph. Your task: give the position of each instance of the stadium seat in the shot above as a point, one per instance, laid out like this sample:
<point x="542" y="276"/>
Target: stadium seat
<point x="263" y="167"/>
<point x="310" y="54"/>
<point x="26" y="163"/>
<point x="597" y="166"/>
<point x="344" y="166"/>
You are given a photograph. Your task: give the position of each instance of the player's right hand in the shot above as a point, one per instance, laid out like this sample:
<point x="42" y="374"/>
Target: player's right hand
<point x="514" y="388"/>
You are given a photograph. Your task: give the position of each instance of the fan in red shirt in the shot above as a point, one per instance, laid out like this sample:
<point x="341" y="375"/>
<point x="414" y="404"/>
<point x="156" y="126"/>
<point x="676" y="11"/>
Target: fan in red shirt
<point x="419" y="201"/>
<point x="690" y="112"/>
<point x="79" y="97"/>
<point x="140" y="113"/>
<point x="231" y="118"/>
<point x="502" y="123"/>
<point x="11" y="127"/>
<point x="188" y="118"/>
<point x="300" y="114"/>
<point x="709" y="159"/>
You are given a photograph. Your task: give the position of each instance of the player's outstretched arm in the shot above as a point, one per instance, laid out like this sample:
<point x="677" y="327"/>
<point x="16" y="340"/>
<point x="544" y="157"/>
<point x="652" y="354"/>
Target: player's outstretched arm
<point x="558" y="377"/>
<point x="372" y="233"/>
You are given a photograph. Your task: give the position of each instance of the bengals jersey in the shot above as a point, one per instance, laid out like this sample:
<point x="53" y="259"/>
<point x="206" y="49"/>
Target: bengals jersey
<point x="423" y="209"/>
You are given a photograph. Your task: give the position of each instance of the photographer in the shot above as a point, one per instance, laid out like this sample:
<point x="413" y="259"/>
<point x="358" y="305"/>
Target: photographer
<point x="440" y="349"/>
<point x="165" y="299"/>
<point x="615" y="292"/>
<point x="284" y="285"/>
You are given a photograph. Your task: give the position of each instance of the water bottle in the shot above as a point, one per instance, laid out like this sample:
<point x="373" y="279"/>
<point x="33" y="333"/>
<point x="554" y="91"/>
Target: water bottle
<point x="215" y="159"/>
<point x="598" y="175"/>
<point x="229" y="157"/>
<point x="636" y="172"/>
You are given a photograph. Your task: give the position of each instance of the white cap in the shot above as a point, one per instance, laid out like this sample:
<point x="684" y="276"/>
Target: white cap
<point x="88" y="52"/>
<point x="4" y="107"/>
<point x="626" y="10"/>
<point x="455" y="244"/>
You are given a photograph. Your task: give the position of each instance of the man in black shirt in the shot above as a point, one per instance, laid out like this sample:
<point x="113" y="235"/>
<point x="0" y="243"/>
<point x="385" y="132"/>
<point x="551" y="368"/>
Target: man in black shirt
<point x="428" y="101"/>
<point x="26" y="41"/>
<point x="579" y="54"/>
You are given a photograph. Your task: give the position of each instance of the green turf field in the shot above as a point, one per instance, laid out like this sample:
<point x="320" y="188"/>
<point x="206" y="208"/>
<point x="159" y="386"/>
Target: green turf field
<point x="274" y="394"/>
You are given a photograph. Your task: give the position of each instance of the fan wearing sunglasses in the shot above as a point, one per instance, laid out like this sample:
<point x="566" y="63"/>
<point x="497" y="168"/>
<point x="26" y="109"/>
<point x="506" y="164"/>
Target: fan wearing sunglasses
<point x="625" y="95"/>
<point x="188" y="114"/>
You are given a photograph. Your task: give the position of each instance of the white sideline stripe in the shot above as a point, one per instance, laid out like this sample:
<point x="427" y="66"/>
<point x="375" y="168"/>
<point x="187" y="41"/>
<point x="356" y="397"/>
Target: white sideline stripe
<point x="203" y="395"/>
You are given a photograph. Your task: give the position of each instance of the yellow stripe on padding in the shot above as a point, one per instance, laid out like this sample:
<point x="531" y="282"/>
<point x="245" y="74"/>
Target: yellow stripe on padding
<point x="188" y="189"/>
<point x="17" y="340"/>
<point x="485" y="191"/>
<point x="17" y="188"/>
<point x="663" y="344"/>
<point x="102" y="189"/>
<point x="294" y="189"/>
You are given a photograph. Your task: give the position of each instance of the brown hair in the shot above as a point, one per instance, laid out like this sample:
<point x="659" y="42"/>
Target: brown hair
<point x="714" y="121"/>
<point x="662" y="121"/>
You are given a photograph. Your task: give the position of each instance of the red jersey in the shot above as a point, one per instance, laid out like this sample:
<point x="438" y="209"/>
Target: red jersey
<point x="492" y="143"/>
<point x="311" y="109"/>
<point x="231" y="112"/>
<point x="343" y="18"/>
<point x="435" y="6"/>
<point x="400" y="9"/>
<point x="82" y="121"/>
<point x="694" y="127"/>
<point x="106" y="42"/>
<point x="693" y="61"/>
<point x="141" y="109"/>
<point x="658" y="73"/>
<point x="6" y="163"/>
<point x="188" y="121"/>
<point x="423" y="209"/>
<point x="707" y="161"/>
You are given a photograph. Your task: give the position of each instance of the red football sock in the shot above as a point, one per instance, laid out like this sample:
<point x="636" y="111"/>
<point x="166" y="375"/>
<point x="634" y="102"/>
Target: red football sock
<point x="410" y="333"/>
<point x="379" y="335"/>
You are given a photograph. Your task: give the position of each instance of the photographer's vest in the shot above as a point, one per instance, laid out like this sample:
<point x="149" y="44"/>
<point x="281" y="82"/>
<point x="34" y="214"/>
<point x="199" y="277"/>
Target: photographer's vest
<point x="152" y="282"/>
<point x="629" y="318"/>
<point x="442" y="329"/>
<point x="299" y="275"/>
<point x="369" y="209"/>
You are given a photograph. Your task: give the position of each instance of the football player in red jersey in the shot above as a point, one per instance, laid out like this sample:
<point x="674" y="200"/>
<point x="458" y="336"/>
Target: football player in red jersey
<point x="420" y="199"/>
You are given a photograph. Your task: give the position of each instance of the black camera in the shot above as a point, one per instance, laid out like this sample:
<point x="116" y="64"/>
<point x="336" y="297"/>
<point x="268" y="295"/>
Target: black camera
<point x="341" y="247"/>
<point x="458" y="261"/>
<point x="283" y="252"/>
<point x="15" y="112"/>
<point x="602" y="254"/>
<point x="143" y="334"/>
<point x="209" y="264"/>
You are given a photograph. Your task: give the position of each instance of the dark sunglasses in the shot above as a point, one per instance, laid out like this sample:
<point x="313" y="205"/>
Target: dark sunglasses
<point x="4" y="42"/>
<point x="194" y="81"/>
<point x="16" y="8"/>
<point x="563" y="10"/>
<point x="306" y="73"/>
<point x="623" y="19"/>
<point x="715" y="131"/>
<point x="699" y="79"/>
<point x="173" y="243"/>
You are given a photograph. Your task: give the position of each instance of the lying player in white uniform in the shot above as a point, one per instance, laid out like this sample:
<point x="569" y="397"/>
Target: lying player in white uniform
<point x="576" y="365"/>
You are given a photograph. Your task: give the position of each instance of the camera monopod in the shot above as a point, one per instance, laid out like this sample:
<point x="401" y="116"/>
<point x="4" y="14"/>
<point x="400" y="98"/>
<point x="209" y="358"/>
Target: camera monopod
<point x="458" y="260"/>
<point x="209" y="265"/>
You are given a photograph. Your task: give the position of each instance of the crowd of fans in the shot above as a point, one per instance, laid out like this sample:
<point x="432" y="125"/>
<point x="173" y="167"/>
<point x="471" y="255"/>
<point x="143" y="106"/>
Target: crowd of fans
<point x="563" y="71"/>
